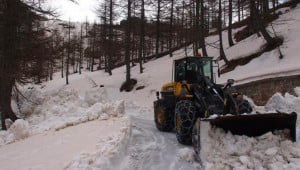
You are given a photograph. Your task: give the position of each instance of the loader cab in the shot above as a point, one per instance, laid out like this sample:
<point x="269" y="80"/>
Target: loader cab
<point x="193" y="69"/>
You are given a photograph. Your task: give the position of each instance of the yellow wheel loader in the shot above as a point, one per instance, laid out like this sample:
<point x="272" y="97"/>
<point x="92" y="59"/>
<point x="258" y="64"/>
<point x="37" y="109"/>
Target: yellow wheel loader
<point x="193" y="97"/>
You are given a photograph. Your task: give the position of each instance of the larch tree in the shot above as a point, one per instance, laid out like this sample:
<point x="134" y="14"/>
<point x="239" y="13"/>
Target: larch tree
<point x="128" y="41"/>
<point x="202" y="29"/>
<point x="197" y="27"/>
<point x="258" y="23"/>
<point x="171" y="28"/>
<point x="110" y="37"/>
<point x="158" y="15"/>
<point x="68" y="28"/>
<point x="230" y="40"/>
<point x="81" y="48"/>
<point x="142" y="47"/>
<point x="220" y="23"/>
<point x="18" y="19"/>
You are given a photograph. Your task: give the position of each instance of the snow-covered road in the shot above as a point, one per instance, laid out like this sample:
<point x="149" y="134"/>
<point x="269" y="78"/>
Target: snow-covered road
<point x="53" y="150"/>
<point x="149" y="148"/>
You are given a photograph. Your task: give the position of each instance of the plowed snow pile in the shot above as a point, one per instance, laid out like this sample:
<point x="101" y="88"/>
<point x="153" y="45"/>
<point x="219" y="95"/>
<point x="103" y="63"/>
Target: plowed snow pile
<point x="58" y="110"/>
<point x="64" y="129"/>
<point x="226" y="151"/>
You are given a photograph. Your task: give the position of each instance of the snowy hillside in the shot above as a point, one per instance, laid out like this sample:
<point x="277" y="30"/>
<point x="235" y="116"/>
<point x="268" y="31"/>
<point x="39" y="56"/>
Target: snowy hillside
<point x="267" y="65"/>
<point x="90" y="124"/>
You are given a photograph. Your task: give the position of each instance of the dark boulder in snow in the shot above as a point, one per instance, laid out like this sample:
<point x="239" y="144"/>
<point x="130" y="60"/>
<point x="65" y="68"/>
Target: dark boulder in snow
<point x="128" y="85"/>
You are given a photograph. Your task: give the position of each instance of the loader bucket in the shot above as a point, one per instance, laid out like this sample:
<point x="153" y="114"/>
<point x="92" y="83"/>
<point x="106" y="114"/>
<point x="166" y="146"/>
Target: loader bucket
<point x="257" y="124"/>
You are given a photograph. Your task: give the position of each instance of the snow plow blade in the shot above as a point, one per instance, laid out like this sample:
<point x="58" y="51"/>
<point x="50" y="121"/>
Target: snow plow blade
<point x="257" y="124"/>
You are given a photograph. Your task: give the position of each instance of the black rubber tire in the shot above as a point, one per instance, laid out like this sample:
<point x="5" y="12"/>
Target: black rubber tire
<point x="163" y="117"/>
<point x="244" y="107"/>
<point x="185" y="115"/>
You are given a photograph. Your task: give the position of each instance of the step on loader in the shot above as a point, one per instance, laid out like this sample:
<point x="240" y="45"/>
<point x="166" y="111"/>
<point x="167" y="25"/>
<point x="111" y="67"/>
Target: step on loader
<point x="193" y="98"/>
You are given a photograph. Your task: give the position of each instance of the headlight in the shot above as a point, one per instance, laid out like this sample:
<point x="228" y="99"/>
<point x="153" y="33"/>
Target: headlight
<point x="170" y="89"/>
<point x="234" y="94"/>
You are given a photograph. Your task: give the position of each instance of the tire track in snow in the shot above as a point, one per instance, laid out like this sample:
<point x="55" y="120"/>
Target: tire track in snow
<point x="150" y="149"/>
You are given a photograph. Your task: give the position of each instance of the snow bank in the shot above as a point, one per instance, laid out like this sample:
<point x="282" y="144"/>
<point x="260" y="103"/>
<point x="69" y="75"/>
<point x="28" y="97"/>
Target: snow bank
<point x="20" y="129"/>
<point x="297" y="91"/>
<point x="222" y="150"/>
<point x="186" y="154"/>
<point x="287" y="103"/>
<point x="226" y="151"/>
<point x="107" y="150"/>
<point x="58" y="109"/>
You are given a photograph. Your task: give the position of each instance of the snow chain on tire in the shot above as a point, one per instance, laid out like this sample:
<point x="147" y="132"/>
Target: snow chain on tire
<point x="185" y="115"/>
<point x="163" y="117"/>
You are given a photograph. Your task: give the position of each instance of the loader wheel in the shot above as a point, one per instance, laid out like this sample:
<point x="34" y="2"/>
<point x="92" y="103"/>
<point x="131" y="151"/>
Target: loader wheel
<point x="163" y="116"/>
<point x="244" y="107"/>
<point x="185" y="115"/>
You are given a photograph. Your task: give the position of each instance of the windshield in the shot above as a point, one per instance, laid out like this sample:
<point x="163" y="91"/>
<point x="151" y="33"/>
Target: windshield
<point x="193" y="69"/>
<point x="207" y="69"/>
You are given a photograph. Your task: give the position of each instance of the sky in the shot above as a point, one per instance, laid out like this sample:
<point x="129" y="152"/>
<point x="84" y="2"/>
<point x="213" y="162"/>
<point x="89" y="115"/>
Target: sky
<point x="76" y="12"/>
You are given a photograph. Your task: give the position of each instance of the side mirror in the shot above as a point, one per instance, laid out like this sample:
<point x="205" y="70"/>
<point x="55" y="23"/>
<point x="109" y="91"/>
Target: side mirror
<point x="230" y="81"/>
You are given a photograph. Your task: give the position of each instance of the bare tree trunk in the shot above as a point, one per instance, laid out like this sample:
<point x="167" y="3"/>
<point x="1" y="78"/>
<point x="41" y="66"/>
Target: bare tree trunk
<point x="142" y="36"/>
<point x="222" y="53"/>
<point x="265" y="5"/>
<point x="8" y="58"/>
<point x="230" y="40"/>
<point x="171" y="28"/>
<point x="104" y="37"/>
<point x="157" y="28"/>
<point x="239" y="10"/>
<point x="51" y="62"/>
<point x="259" y="24"/>
<point x="68" y="55"/>
<point x="110" y="37"/>
<point x="224" y="12"/>
<point x="183" y="36"/>
<point x="191" y="34"/>
<point x="161" y="44"/>
<point x="274" y="6"/>
<point x="51" y="70"/>
<point x="202" y="32"/>
<point x="80" y="48"/>
<point x="93" y="48"/>
<point x="62" y="58"/>
<point x="5" y="100"/>
<point x="127" y="41"/>
<point x="196" y="27"/>
<point x="242" y="11"/>
<point x="132" y="56"/>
